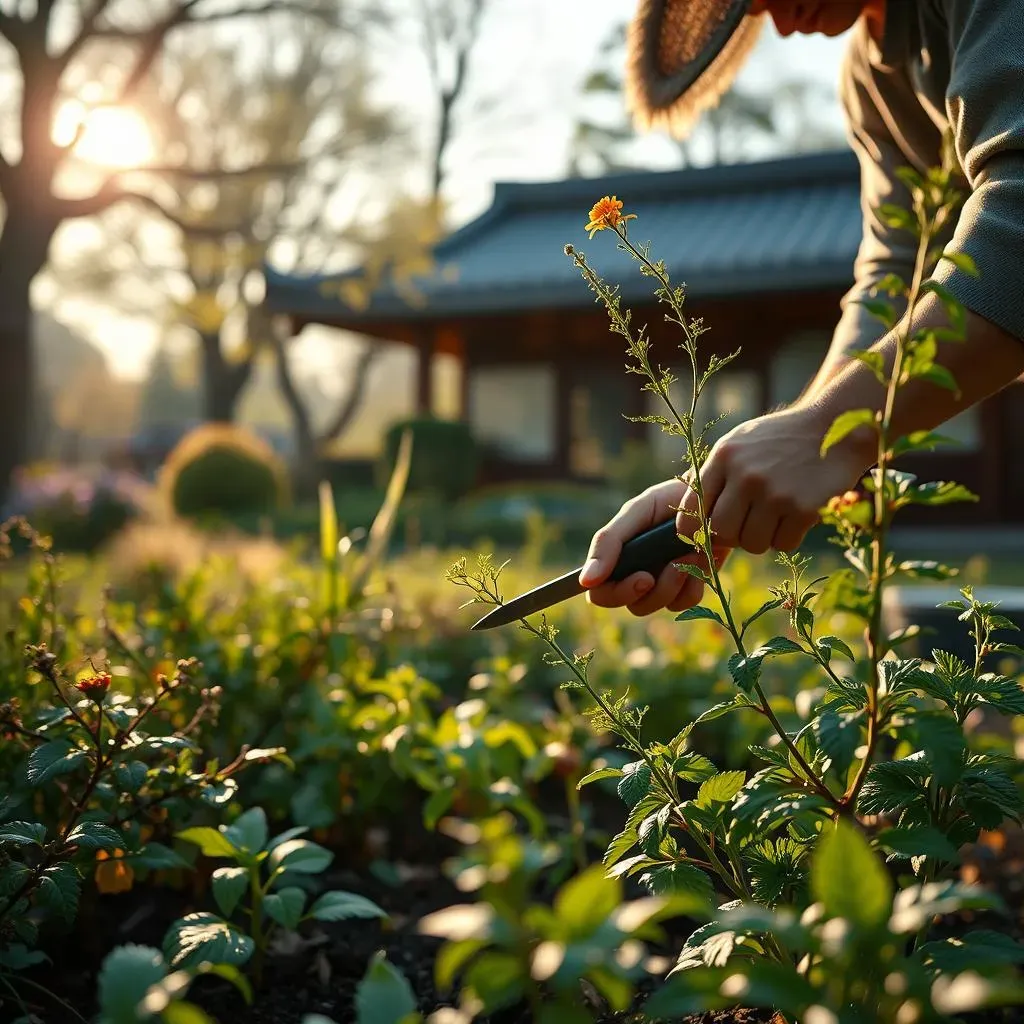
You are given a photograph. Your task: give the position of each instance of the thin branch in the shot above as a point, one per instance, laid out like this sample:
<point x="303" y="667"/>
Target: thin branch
<point x="354" y="399"/>
<point x="89" y="30"/>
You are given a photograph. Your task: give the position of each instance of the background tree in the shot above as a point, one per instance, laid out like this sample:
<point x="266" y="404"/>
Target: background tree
<point x="46" y="43"/>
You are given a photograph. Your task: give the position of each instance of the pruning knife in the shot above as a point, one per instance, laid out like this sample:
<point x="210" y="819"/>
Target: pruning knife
<point x="649" y="551"/>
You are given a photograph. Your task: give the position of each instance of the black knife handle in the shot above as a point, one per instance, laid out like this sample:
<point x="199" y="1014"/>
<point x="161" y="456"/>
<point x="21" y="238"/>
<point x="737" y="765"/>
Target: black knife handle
<point x="651" y="551"/>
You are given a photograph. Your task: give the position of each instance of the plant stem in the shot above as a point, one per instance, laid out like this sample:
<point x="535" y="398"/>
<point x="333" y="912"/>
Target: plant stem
<point x="256" y="920"/>
<point x="875" y="642"/>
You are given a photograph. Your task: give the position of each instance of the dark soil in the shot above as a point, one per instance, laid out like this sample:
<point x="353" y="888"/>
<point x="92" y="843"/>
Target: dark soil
<point x="320" y="971"/>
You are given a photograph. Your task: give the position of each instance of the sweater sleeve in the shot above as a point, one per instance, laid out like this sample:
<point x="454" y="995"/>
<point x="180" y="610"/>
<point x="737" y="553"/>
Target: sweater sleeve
<point x="985" y="106"/>
<point x="887" y="129"/>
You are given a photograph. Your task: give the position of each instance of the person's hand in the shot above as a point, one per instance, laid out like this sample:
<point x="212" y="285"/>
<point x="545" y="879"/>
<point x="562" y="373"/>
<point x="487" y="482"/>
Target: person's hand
<point x="641" y="593"/>
<point x="764" y="485"/>
<point x="766" y="481"/>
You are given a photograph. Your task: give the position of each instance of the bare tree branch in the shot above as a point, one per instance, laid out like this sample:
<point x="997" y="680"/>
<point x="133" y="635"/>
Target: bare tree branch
<point x="87" y="31"/>
<point x="354" y="397"/>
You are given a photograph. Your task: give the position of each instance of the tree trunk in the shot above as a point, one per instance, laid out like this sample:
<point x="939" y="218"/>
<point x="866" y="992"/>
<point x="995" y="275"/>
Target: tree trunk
<point x="23" y="252"/>
<point x="222" y="380"/>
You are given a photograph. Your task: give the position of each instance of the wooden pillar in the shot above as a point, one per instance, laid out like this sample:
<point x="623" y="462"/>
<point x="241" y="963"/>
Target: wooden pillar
<point x="425" y="372"/>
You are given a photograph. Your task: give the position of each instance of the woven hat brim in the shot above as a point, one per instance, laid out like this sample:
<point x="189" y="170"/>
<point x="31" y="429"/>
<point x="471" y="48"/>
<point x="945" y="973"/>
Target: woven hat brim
<point x="675" y="103"/>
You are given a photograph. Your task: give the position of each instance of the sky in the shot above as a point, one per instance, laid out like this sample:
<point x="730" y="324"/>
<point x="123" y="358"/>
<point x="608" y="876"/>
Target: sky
<point x="532" y="58"/>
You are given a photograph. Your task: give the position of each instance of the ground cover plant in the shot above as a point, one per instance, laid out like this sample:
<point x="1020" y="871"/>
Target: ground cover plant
<point x="290" y="785"/>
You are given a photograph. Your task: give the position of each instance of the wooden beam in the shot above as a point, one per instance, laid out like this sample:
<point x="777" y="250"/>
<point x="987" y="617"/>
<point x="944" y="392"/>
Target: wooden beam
<point x="425" y="372"/>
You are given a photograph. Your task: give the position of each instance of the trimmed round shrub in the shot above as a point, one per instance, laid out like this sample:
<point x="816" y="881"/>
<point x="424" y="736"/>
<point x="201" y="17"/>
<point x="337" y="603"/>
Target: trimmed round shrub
<point x="221" y="470"/>
<point x="445" y="456"/>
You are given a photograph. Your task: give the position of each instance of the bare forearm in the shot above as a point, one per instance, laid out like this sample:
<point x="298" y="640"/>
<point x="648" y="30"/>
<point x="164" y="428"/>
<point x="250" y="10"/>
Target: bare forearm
<point x="987" y="361"/>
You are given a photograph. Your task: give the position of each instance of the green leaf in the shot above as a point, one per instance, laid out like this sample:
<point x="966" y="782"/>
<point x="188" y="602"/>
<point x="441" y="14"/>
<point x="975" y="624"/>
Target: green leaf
<point x="283" y="837"/>
<point x="918" y="841"/>
<point x="229" y="886"/>
<point x="722" y="788"/>
<point x="940" y="492"/>
<point x="898" y="217"/>
<point x="438" y="802"/>
<point x="977" y="950"/>
<point x="285" y="906"/>
<point x="844" y="425"/>
<point x="942" y="377"/>
<point x="131" y="776"/>
<point x="741" y="700"/>
<point x="126" y="976"/>
<point x="699" y="612"/>
<point x="248" y="831"/>
<point x="880" y="310"/>
<point x="848" y="879"/>
<point x="676" y="878"/>
<point x="831" y="644"/>
<point x="19" y="958"/>
<point x="635" y="783"/>
<point x="452" y="957"/>
<point x="745" y="672"/>
<point x="300" y="855"/>
<point x="185" y="1013"/>
<point x="585" y="902"/>
<point x="962" y="262"/>
<point x="954" y="310"/>
<point x="942" y="740"/>
<point x="777" y="645"/>
<point x="598" y="774"/>
<point x="768" y="606"/>
<point x="875" y="362"/>
<point x="383" y="996"/>
<point x="60" y="888"/>
<point x="328" y="526"/>
<point x="91" y="835"/>
<point x="200" y="937"/>
<point x="23" y="833"/>
<point x="839" y="736"/>
<point x="58" y="757"/>
<point x="343" y="906"/>
<point x="893" y="786"/>
<point x="497" y="978"/>
<point x="210" y="842"/>
<point x="156" y="856"/>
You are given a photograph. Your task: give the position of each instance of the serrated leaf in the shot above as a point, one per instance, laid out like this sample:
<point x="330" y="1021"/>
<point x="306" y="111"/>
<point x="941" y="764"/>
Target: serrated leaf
<point x="718" y="710"/>
<point x="285" y="906"/>
<point x="918" y="841"/>
<point x="57" y="757"/>
<point x="722" y="788"/>
<point x="300" y="855"/>
<point x="670" y="879"/>
<point x="848" y="879"/>
<point x="979" y="949"/>
<point x="943" y="741"/>
<point x="91" y="835"/>
<point x="832" y="644"/>
<point x="839" y="736"/>
<point x="598" y="774"/>
<point x="699" y="612"/>
<point x="635" y="783"/>
<point x="23" y="833"/>
<point x="893" y="786"/>
<point x="196" y="938"/>
<point x="211" y="842"/>
<point x="127" y="974"/>
<point x="229" y="886"/>
<point x="343" y="906"/>
<point x="745" y="672"/>
<point x="60" y="888"/>
<point x="383" y="996"/>
<point x="844" y="425"/>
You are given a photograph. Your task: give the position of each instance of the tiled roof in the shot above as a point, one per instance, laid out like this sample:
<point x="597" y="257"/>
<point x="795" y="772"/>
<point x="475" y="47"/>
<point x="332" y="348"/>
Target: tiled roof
<point x="772" y="226"/>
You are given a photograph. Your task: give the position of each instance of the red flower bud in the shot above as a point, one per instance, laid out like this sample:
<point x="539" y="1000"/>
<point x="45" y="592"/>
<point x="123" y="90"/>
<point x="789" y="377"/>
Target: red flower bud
<point x="95" y="687"/>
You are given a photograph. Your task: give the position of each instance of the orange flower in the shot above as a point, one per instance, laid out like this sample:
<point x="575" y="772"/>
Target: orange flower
<point x="841" y="502"/>
<point x="112" y="874"/>
<point x="607" y="213"/>
<point x="94" y="687"/>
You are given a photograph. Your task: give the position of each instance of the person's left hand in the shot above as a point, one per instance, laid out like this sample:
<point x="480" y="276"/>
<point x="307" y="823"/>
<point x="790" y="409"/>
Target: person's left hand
<point x="766" y="481"/>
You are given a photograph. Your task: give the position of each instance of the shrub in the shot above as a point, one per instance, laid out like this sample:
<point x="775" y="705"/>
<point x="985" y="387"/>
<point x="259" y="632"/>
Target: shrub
<point x="445" y="456"/>
<point x="79" y="508"/>
<point x="220" y="469"/>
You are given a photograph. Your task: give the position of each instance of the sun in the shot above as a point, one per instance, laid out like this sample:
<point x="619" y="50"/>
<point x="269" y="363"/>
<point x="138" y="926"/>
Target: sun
<point x="116" y="137"/>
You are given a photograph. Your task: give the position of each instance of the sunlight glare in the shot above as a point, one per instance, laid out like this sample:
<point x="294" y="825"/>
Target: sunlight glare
<point x="112" y="137"/>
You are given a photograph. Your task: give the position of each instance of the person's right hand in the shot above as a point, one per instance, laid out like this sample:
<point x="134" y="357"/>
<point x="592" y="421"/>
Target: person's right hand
<point x="641" y="593"/>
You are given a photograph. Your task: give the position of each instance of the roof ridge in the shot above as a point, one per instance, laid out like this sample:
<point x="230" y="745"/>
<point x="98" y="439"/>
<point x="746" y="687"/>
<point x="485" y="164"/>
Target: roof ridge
<point x="829" y="167"/>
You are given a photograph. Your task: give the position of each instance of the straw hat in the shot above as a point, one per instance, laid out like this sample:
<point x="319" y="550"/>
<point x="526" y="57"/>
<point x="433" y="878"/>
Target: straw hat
<point x="682" y="56"/>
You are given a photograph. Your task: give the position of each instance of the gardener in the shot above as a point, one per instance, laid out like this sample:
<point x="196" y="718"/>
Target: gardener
<point x="912" y="70"/>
